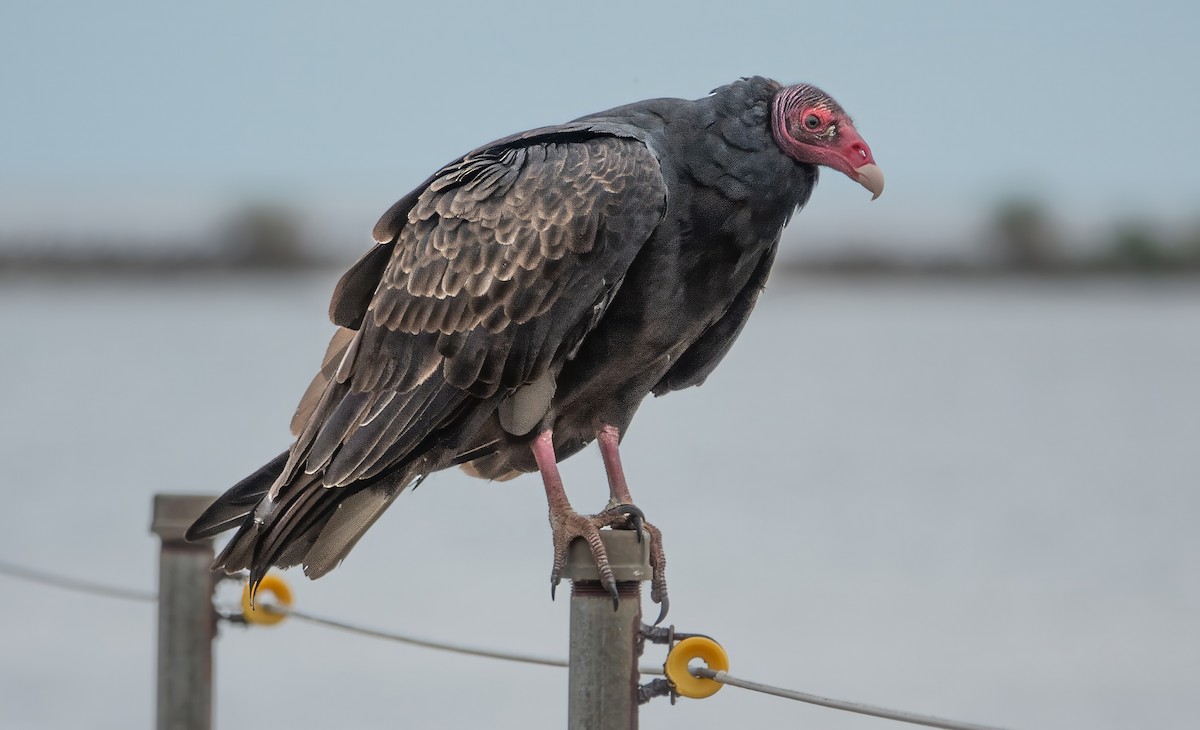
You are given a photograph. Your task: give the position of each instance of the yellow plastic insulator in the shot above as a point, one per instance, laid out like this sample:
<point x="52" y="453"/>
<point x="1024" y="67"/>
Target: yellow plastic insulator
<point x="259" y="614"/>
<point x="682" y="654"/>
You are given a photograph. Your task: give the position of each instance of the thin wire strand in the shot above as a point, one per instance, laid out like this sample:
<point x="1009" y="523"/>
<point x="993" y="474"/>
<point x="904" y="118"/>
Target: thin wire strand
<point x="440" y="645"/>
<point x="862" y="709"/>
<point x="74" y="584"/>
<point x="415" y="641"/>
<point x="129" y="594"/>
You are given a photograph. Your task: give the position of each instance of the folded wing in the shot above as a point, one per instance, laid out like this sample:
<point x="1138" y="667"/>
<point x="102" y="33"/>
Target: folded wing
<point x="486" y="277"/>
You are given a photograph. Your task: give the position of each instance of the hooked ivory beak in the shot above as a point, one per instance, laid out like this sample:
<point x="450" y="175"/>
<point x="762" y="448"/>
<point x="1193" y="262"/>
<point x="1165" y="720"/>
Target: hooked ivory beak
<point x="871" y="178"/>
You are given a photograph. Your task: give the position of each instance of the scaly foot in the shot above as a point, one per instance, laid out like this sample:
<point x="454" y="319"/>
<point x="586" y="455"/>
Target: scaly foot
<point x="636" y="520"/>
<point x="565" y="526"/>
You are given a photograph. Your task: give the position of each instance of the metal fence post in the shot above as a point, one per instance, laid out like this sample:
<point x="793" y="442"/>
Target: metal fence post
<point x="605" y="644"/>
<point x="186" y="621"/>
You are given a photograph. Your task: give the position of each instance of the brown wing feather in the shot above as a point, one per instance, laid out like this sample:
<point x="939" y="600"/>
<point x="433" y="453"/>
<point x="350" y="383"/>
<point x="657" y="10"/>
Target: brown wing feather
<point x="498" y="269"/>
<point x="333" y="357"/>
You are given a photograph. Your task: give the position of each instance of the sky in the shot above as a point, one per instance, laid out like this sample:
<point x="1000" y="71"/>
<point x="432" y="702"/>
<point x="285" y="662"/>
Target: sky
<point x="156" y="119"/>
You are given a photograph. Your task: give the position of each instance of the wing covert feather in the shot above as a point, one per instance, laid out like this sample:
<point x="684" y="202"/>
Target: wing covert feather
<point x="499" y="268"/>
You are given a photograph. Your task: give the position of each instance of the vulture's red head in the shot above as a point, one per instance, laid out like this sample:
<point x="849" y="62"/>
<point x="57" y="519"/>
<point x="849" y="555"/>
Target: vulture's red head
<point x="809" y="126"/>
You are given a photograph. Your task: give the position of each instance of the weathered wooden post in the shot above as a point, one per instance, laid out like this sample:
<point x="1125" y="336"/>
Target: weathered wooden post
<point x="186" y="620"/>
<point x="605" y="644"/>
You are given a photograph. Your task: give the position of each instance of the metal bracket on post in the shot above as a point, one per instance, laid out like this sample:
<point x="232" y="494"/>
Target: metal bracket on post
<point x="186" y="620"/>
<point x="605" y="643"/>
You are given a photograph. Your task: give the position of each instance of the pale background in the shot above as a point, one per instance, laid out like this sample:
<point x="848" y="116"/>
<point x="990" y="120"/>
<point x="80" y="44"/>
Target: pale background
<point x="970" y="497"/>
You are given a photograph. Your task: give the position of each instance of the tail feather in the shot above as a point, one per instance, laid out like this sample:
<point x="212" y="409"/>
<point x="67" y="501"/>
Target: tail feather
<point x="307" y="523"/>
<point x="232" y="507"/>
<point x="355" y="452"/>
<point x="283" y="520"/>
<point x="343" y="528"/>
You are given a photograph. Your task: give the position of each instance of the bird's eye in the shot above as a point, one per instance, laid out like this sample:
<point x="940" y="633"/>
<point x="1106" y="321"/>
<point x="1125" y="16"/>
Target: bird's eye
<point x="813" y="122"/>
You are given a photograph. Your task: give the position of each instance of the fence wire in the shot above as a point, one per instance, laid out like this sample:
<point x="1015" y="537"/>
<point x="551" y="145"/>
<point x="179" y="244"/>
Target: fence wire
<point x="20" y="572"/>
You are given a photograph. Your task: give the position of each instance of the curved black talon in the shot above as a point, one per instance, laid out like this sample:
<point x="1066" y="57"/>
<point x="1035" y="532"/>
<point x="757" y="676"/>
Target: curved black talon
<point x="662" y="611"/>
<point x="636" y="516"/>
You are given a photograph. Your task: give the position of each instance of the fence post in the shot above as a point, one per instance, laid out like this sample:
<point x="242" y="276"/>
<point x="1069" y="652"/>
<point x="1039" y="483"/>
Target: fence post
<point x="605" y="644"/>
<point x="186" y="620"/>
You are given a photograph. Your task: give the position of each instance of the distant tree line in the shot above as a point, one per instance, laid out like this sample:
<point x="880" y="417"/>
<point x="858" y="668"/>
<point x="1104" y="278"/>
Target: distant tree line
<point x="1020" y="235"/>
<point x="261" y="235"/>
<point x="254" y="236"/>
<point x="1024" y="236"/>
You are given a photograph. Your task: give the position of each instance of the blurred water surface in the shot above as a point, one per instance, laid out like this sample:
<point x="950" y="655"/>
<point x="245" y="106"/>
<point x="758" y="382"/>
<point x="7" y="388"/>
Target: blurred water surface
<point x="977" y="499"/>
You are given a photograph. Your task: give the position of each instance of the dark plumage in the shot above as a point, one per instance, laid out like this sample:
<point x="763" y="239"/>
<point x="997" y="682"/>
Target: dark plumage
<point x="525" y="299"/>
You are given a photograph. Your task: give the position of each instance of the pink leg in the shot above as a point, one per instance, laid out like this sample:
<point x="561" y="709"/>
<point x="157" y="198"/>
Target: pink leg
<point x="609" y="438"/>
<point x="543" y="453"/>
<point x="566" y="524"/>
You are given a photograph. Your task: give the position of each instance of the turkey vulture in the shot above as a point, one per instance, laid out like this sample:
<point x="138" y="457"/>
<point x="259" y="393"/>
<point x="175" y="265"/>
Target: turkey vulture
<point x="525" y="299"/>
